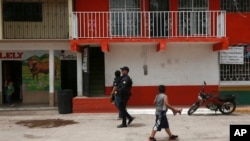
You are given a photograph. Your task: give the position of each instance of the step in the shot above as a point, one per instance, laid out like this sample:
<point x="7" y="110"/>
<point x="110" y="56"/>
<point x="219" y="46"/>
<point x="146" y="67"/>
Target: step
<point x="93" y="105"/>
<point x="96" y="92"/>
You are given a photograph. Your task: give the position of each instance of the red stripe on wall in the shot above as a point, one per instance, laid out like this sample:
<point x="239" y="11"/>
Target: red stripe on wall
<point x="178" y="95"/>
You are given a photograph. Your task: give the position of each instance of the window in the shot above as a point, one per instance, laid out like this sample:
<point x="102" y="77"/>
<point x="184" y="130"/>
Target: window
<point x="193" y="5"/>
<point x="159" y="5"/>
<point x="237" y="72"/>
<point x="22" y="11"/>
<point x="125" y="17"/>
<point x="235" y="5"/>
<point x="125" y="5"/>
<point x="194" y="18"/>
<point x="159" y="18"/>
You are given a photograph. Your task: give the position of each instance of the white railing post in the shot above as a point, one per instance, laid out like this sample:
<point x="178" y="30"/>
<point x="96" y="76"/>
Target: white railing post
<point x="225" y="25"/>
<point x="149" y="24"/>
<point x="74" y="26"/>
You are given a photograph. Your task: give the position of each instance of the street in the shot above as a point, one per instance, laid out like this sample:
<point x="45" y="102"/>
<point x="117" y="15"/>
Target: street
<point x="51" y="126"/>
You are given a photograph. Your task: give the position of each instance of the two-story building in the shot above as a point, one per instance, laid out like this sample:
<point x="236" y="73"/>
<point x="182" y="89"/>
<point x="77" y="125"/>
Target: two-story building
<point x="35" y="49"/>
<point x="177" y="43"/>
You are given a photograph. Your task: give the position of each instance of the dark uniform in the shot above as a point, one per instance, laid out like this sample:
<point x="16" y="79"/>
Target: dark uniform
<point x="124" y="92"/>
<point x="116" y="83"/>
<point x="115" y="96"/>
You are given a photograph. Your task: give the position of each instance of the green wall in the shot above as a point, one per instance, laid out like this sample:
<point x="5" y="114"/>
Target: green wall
<point x="242" y="93"/>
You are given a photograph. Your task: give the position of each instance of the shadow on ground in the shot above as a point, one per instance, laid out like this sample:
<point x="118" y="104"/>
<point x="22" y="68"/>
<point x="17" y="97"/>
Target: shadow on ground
<point x="137" y="125"/>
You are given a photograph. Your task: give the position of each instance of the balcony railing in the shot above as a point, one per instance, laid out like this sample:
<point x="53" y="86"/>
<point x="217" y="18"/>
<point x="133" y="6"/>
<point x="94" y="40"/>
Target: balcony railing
<point x="162" y="24"/>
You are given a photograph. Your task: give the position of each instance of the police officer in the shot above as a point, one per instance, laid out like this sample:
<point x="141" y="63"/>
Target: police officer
<point x="124" y="91"/>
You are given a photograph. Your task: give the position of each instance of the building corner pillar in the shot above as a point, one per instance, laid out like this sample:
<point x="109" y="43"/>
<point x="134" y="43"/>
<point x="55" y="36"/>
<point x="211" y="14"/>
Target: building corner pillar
<point x="1" y="85"/>
<point x="51" y="78"/>
<point x="70" y="15"/>
<point x="1" y="20"/>
<point x="79" y="74"/>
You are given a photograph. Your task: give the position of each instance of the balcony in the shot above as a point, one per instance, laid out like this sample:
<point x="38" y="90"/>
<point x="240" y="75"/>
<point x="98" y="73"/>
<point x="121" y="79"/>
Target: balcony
<point x="151" y="25"/>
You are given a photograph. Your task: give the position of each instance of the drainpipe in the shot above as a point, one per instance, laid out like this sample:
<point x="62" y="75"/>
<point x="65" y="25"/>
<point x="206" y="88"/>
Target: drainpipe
<point x="70" y="10"/>
<point x="1" y="20"/>
<point x="79" y="73"/>
<point x="1" y="84"/>
<point x="51" y="78"/>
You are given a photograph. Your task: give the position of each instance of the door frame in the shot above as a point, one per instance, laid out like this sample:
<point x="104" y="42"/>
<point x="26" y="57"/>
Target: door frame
<point x="17" y="81"/>
<point x="85" y="70"/>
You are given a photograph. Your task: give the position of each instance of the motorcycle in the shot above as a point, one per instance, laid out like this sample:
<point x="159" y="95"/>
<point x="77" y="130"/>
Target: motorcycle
<point x="225" y="104"/>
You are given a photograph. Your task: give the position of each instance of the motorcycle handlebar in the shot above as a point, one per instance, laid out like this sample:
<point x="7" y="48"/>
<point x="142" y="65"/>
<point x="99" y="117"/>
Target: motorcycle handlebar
<point x="204" y="82"/>
<point x="203" y="87"/>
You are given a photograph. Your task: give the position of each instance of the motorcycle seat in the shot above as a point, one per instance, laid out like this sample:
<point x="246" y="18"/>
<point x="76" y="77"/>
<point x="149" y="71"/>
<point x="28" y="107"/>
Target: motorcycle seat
<point x="226" y="98"/>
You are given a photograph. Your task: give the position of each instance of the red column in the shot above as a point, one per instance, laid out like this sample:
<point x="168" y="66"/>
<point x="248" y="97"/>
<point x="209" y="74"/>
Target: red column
<point x="214" y="5"/>
<point x="174" y="17"/>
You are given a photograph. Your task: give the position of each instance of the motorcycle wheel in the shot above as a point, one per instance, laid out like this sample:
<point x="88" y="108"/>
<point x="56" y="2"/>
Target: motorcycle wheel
<point x="228" y="107"/>
<point x="193" y="108"/>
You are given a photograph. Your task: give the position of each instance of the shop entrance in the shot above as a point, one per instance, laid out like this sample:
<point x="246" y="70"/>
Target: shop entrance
<point x="93" y="72"/>
<point x="12" y="71"/>
<point x="69" y="75"/>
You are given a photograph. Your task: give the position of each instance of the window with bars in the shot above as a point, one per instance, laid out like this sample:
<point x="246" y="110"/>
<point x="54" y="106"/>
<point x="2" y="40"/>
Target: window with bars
<point x="125" y="17"/>
<point x="193" y="5"/>
<point x="195" y="21"/>
<point x="235" y="5"/>
<point x="237" y="72"/>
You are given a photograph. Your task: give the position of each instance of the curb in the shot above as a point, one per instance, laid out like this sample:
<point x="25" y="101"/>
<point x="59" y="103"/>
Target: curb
<point x="28" y="108"/>
<point x="243" y="110"/>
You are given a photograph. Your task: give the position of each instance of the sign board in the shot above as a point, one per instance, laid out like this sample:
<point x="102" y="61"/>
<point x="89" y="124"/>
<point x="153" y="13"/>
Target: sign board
<point x="11" y="55"/>
<point x="85" y="59"/>
<point x="234" y="55"/>
<point x="67" y="55"/>
<point x="26" y="55"/>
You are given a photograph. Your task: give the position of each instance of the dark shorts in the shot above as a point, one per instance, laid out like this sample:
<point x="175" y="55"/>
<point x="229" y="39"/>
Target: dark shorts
<point x="161" y="121"/>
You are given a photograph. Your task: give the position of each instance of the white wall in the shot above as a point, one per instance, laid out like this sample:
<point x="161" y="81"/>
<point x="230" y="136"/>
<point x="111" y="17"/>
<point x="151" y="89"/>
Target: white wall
<point x="180" y="64"/>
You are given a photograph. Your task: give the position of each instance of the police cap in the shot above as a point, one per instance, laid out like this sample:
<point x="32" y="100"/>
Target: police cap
<point x="125" y="68"/>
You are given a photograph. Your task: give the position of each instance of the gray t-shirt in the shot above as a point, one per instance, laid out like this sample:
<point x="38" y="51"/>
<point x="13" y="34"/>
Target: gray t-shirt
<point x="159" y="103"/>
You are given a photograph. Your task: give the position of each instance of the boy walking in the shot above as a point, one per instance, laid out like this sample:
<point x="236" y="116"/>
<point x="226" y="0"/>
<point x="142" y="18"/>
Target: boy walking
<point x="161" y="121"/>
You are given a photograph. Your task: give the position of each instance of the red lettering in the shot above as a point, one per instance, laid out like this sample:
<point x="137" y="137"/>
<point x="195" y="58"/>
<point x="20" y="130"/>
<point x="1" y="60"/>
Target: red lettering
<point x="9" y="55"/>
<point x="20" y="55"/>
<point x="1" y="55"/>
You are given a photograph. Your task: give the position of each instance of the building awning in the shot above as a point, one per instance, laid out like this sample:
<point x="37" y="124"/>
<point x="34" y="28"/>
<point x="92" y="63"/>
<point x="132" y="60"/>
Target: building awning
<point x="161" y="43"/>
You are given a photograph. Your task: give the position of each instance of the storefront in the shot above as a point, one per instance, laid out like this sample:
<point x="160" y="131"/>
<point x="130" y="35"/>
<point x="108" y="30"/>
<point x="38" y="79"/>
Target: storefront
<point x="38" y="69"/>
